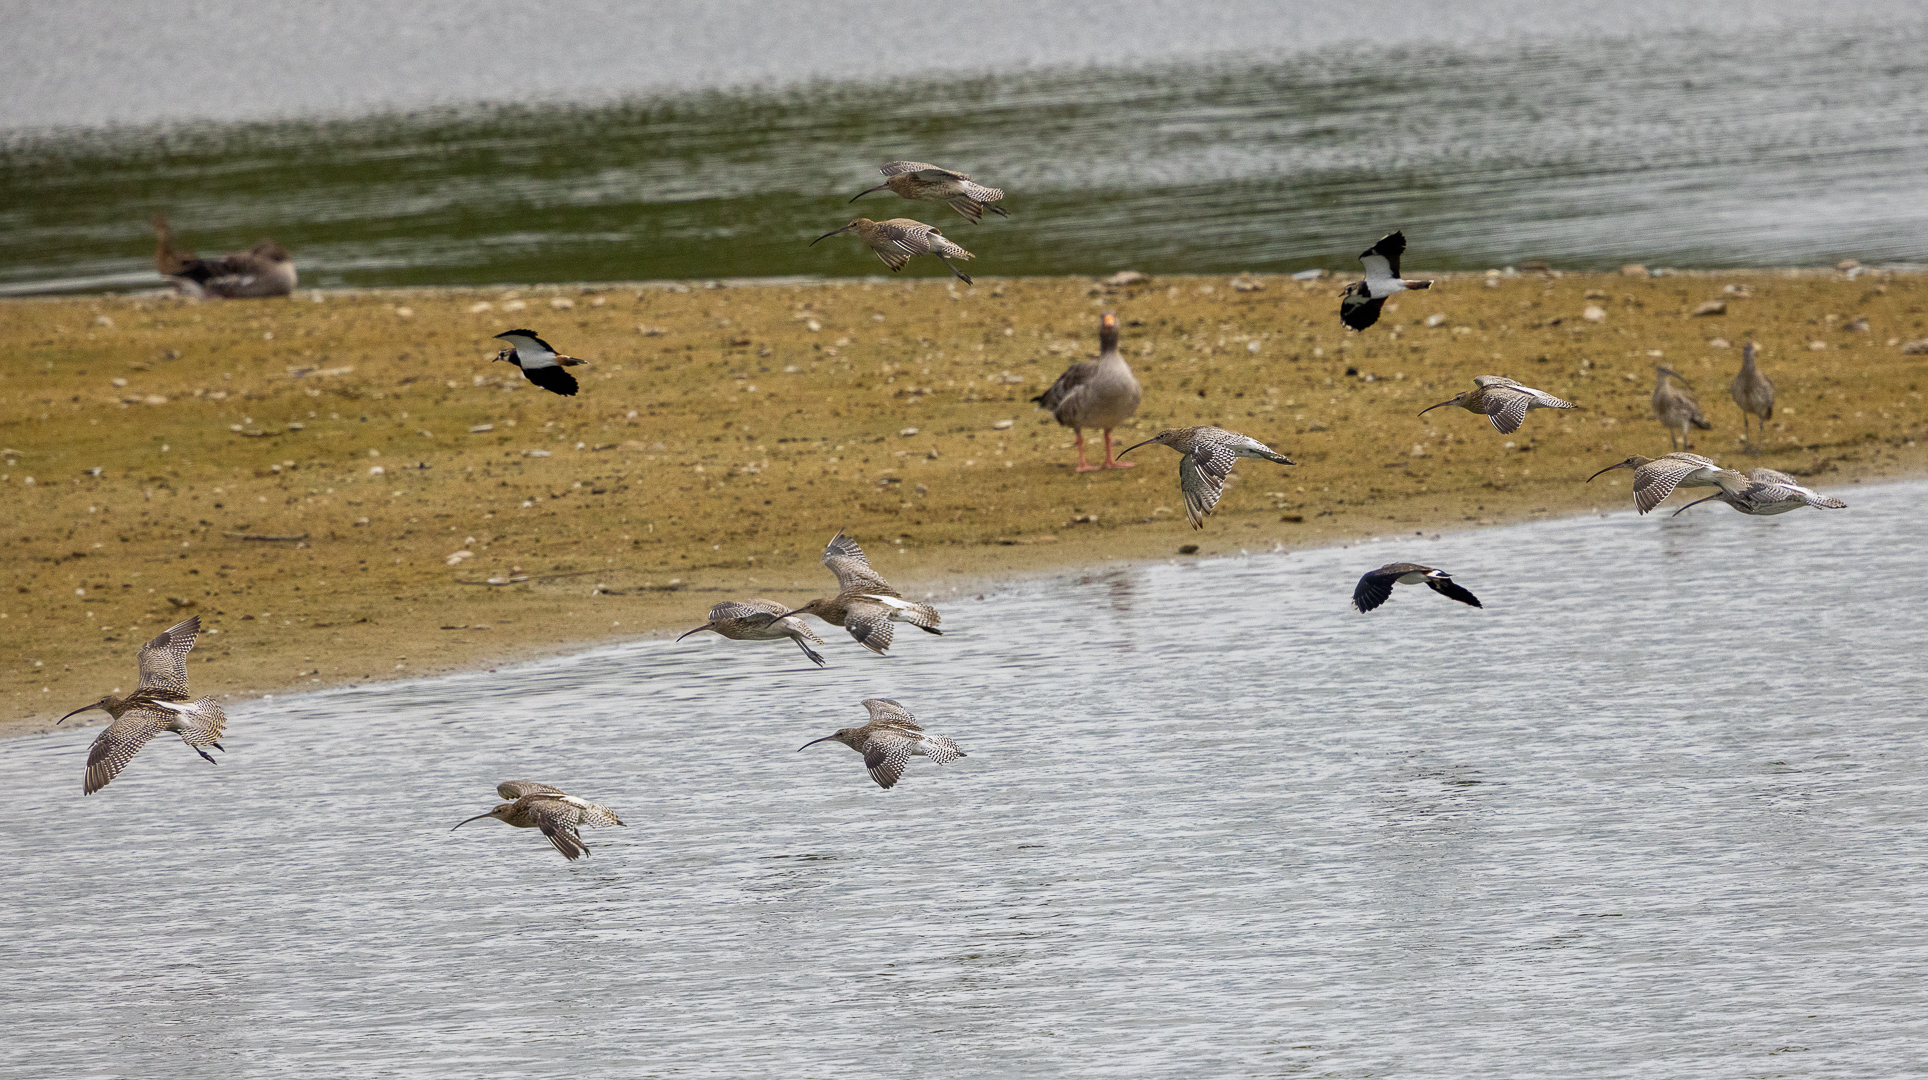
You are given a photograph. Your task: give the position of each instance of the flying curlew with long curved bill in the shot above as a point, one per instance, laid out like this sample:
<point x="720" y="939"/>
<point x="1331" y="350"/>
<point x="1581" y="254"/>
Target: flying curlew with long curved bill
<point x="1656" y="478"/>
<point x="890" y="740"/>
<point x="865" y="604"/>
<point x="1207" y="455"/>
<point x="1769" y="492"/>
<point x="159" y="704"/>
<point x="921" y="182"/>
<point x="554" y="811"/>
<point x="760" y="620"/>
<point x="1502" y="401"/>
<point x="897" y="241"/>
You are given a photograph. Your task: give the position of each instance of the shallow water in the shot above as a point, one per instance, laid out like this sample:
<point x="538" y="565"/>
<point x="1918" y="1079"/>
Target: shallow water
<point x="1654" y="810"/>
<point x="1676" y="134"/>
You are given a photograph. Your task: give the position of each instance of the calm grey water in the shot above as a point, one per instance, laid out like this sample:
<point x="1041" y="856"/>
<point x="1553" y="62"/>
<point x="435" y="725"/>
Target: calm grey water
<point x="442" y="144"/>
<point x="1656" y="810"/>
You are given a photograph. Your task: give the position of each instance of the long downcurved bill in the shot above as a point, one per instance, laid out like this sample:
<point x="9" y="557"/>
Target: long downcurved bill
<point x="1441" y="405"/>
<point x="864" y="192"/>
<point x="1134" y="446"/>
<point x="1696" y="502"/>
<point x="465" y="821"/>
<point x="698" y="630"/>
<point x="1605" y="471"/>
<point x="813" y="742"/>
<point x="827" y="236"/>
<point x="76" y="712"/>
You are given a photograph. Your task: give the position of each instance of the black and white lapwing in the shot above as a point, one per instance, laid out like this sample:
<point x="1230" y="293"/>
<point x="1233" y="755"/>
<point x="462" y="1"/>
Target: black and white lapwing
<point x="1376" y="587"/>
<point x="1359" y="308"/>
<point x="541" y="363"/>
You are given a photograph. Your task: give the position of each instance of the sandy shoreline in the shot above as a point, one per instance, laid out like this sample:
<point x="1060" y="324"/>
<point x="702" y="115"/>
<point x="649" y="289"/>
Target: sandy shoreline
<point x="724" y="433"/>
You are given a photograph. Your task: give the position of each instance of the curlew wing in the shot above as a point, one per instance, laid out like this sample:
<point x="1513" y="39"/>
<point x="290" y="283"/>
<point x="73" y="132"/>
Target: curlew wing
<point x="516" y="789"/>
<point x="869" y="624"/>
<point x="1506" y="408"/>
<point x="924" y="171"/>
<point x="885" y="755"/>
<point x="117" y="744"/>
<point x="846" y="560"/>
<point x="1771" y="476"/>
<point x="899" y="239"/>
<point x="164" y="659"/>
<point x="1657" y="479"/>
<point x="886" y="711"/>
<point x="1201" y="476"/>
<point x="557" y="820"/>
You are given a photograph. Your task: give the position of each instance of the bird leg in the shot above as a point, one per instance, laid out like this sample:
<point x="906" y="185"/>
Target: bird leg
<point x="815" y="658"/>
<point x="1082" y="465"/>
<point x="1112" y="462"/>
<point x="207" y="755"/>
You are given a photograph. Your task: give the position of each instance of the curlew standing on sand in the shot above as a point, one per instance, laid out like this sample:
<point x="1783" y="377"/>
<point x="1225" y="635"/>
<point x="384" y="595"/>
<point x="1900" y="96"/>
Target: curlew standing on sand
<point x="266" y="269"/>
<point x="1754" y="394"/>
<point x="540" y="362"/>
<point x="1769" y="492"/>
<point x="889" y="740"/>
<point x="865" y="605"/>
<point x="1376" y="587"/>
<point x="1207" y="455"/>
<point x="1656" y="478"/>
<point x="920" y="182"/>
<point x="1502" y="401"/>
<point x="556" y="813"/>
<point x="159" y="704"/>
<point x="1101" y="394"/>
<point x="898" y="240"/>
<point x="760" y="620"/>
<point x="1676" y="408"/>
<point x="1359" y="307"/>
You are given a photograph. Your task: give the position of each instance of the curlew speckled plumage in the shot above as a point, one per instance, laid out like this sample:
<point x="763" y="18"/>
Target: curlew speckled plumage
<point x="159" y="704"/>
<point x="1754" y="394"/>
<point x="1676" y="409"/>
<point x="554" y="811"/>
<point x="1502" y="401"/>
<point x="1101" y="394"/>
<point x="266" y="269"/>
<point x="899" y="240"/>
<point x="1375" y="588"/>
<point x="1767" y="492"/>
<point x="865" y="604"/>
<point x="890" y="740"/>
<point x="760" y="620"/>
<point x="1656" y="478"/>
<point x="921" y="182"/>
<point x="1206" y="457"/>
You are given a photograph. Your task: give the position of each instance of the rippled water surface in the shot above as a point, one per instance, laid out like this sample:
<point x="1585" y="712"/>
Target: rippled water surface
<point x="1681" y="134"/>
<point x="1655" y="810"/>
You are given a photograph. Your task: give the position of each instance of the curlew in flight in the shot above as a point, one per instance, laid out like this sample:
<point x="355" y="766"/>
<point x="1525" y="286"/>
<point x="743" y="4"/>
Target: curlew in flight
<point x="1207" y="455"/>
<point x="889" y="741"/>
<point x="159" y="704"/>
<point x="556" y="813"/>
